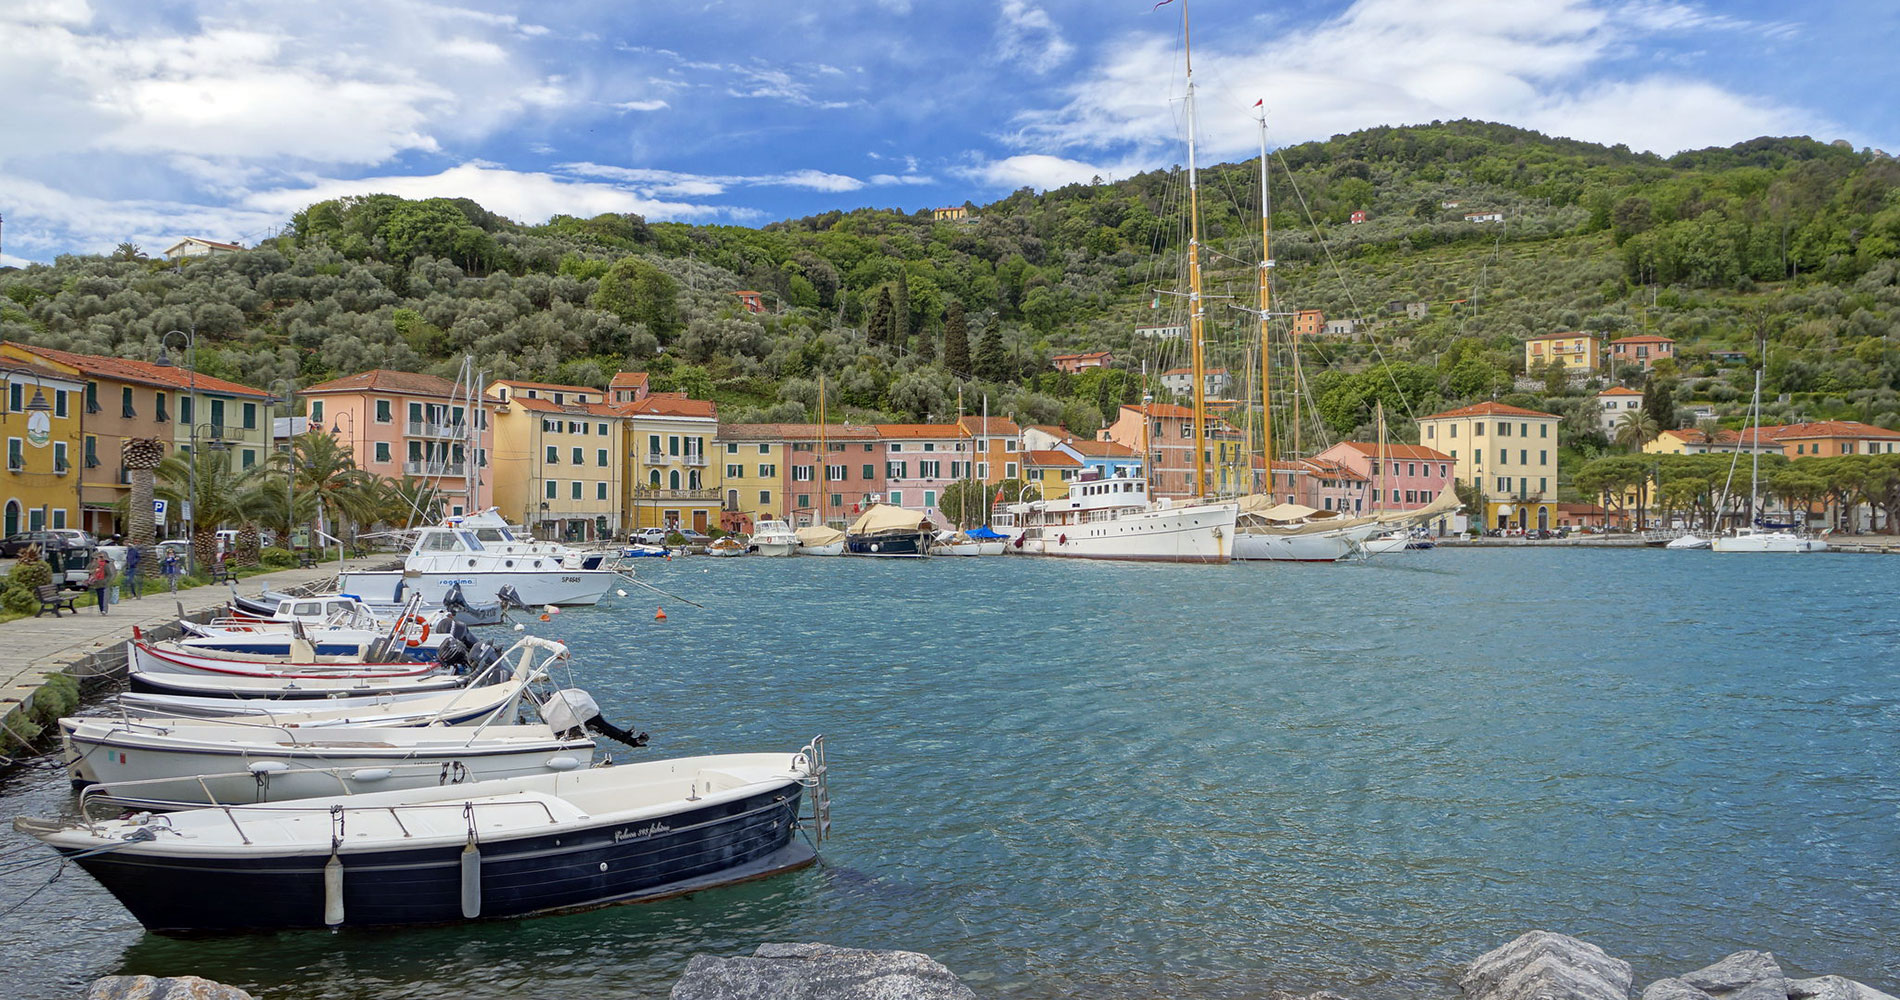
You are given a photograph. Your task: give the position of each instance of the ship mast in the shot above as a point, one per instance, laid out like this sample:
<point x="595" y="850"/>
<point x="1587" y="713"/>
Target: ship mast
<point x="824" y="457"/>
<point x="1266" y="271"/>
<point x="1196" y="309"/>
<point x="1384" y="480"/>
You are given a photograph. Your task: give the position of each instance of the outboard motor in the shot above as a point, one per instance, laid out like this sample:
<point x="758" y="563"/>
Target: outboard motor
<point x="462" y="632"/>
<point x="509" y="598"/>
<point x="453" y="654"/>
<point x="572" y="708"/>
<point x="482" y="655"/>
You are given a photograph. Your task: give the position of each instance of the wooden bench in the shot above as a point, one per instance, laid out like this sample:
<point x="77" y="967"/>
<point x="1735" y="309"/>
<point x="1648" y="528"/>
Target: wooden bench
<point x="306" y="560"/>
<point x="220" y="573"/>
<point x="51" y="597"/>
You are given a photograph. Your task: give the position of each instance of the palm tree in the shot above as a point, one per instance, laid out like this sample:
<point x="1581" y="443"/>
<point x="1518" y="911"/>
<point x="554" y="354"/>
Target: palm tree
<point x="326" y="473"/>
<point x="142" y="455"/>
<point x="407" y="501"/>
<point x="218" y="495"/>
<point x="1636" y="429"/>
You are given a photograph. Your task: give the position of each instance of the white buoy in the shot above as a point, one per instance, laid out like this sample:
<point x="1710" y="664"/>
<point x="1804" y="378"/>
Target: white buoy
<point x="520" y="627"/>
<point x="333" y="892"/>
<point x="621" y="591"/>
<point x="471" y="881"/>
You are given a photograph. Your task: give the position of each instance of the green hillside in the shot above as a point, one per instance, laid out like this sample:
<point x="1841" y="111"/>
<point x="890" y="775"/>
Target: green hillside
<point x="1786" y="241"/>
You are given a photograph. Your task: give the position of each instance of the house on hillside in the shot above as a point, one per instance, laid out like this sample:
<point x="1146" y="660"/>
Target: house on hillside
<point x="1170" y="332"/>
<point x="1644" y="350"/>
<point x="1216" y="382"/>
<point x="753" y="302"/>
<point x="1358" y="216"/>
<point x="1072" y="363"/>
<point x="192" y="246"/>
<point x="1612" y="403"/>
<point x="1574" y="351"/>
<point x="950" y="213"/>
<point x="1484" y="216"/>
<point x="1309" y="323"/>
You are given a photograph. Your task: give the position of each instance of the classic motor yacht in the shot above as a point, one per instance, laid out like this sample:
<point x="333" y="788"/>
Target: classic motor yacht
<point x="774" y="538"/>
<point x="1112" y="518"/>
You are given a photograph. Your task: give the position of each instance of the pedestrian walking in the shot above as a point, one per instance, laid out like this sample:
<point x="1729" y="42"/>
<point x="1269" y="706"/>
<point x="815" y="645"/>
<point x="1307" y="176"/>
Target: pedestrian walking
<point x="96" y="580"/>
<point x="170" y="568"/>
<point x="132" y="571"/>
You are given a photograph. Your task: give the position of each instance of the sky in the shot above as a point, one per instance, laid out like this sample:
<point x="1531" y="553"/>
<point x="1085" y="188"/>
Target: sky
<point x="150" y="120"/>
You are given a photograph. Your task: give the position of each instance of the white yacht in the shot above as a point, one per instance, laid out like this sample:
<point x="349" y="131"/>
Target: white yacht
<point x="1112" y="518"/>
<point x="444" y="556"/>
<point x="774" y="538"/>
<point x="1766" y="540"/>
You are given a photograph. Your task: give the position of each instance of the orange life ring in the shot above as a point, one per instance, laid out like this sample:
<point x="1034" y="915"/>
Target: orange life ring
<point x="416" y="640"/>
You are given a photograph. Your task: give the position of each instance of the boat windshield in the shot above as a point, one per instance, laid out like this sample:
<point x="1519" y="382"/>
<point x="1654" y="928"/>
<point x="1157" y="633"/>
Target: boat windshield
<point x="494" y="535"/>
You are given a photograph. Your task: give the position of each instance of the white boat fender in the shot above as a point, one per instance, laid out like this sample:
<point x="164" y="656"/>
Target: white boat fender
<point x="262" y="770"/>
<point x="471" y="869"/>
<point x="333" y="873"/>
<point x="563" y="763"/>
<point x="370" y="774"/>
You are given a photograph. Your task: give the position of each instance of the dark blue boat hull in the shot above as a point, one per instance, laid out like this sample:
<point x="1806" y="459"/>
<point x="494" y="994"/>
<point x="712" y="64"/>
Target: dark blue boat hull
<point x="574" y="869"/>
<point x="888" y="546"/>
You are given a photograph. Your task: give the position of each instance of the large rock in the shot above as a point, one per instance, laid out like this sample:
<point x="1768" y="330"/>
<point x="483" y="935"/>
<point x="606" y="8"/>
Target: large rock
<point x="150" y="988"/>
<point x="1833" y="988"/>
<point x="1541" y="965"/>
<point x="1745" y="975"/>
<point x="819" y="972"/>
<point x="1673" y="989"/>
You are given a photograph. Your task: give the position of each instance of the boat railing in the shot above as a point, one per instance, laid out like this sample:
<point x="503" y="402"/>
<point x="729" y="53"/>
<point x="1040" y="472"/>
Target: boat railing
<point x="110" y="794"/>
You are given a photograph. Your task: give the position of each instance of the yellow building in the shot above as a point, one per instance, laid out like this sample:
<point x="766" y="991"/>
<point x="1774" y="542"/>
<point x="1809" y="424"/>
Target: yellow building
<point x="1574" y="352"/>
<point x="751" y="460"/>
<point x="1051" y="471"/>
<point x="1508" y="453"/>
<point x="40" y="419"/>
<point x="669" y="481"/>
<point x="557" y="458"/>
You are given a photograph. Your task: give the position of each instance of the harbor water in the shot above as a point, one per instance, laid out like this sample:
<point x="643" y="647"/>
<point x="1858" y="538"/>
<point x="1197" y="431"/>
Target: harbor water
<point x="1129" y="781"/>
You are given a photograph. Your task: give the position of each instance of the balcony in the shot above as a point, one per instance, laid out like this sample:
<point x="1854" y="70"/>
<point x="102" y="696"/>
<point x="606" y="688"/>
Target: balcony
<point x="429" y="428"/>
<point x="698" y="461"/>
<point x="657" y="493"/>
<point x="457" y="469"/>
<point x="656" y="458"/>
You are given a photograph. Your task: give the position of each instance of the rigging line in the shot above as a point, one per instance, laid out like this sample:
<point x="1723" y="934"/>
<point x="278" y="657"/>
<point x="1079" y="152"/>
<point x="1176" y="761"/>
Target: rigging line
<point x="1350" y="298"/>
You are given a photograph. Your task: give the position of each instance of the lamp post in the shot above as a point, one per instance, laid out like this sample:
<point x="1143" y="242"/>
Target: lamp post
<point x="336" y="428"/>
<point x="191" y="395"/>
<point x="289" y="399"/>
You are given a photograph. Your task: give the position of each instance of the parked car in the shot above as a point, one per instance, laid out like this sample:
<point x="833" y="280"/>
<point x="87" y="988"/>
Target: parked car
<point x="12" y="545"/>
<point x="693" y="537"/>
<point x="648" y="536"/>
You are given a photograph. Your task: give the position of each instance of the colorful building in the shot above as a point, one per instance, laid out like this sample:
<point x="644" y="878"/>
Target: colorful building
<point x="1216" y="382"/>
<point x="1573" y="352"/>
<point x="1508" y="453"/>
<point x="1309" y="323"/>
<point x="1615" y="401"/>
<point x="1643" y="351"/>
<point x="921" y="461"/>
<point x="835" y="487"/>
<point x="1051" y="471"/>
<point x="1415" y="475"/>
<point x="1828" y="438"/>
<point x="1169" y="438"/>
<point x="669" y="484"/>
<point x="557" y="452"/>
<point x="752" y="461"/>
<point x="126" y="399"/>
<point x="408" y="424"/>
<point x="1072" y="363"/>
<point x="997" y="443"/>
<point x="41" y="417"/>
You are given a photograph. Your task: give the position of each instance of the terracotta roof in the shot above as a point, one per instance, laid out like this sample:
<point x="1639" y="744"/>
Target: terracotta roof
<point x="1328" y="467"/>
<point x="793" y="432"/>
<point x="1061" y="458"/>
<point x="1617" y="390"/>
<point x="538" y="405"/>
<point x="628" y="380"/>
<point x="939" y="431"/>
<point x="1055" y="432"/>
<point x="13" y="365"/>
<point x="1830" y="429"/>
<point x="1101" y="449"/>
<point x="1399" y="451"/>
<point x="1647" y="338"/>
<point x="997" y="427"/>
<point x="519" y="384"/>
<point x="213" y="244"/>
<point x="142" y="372"/>
<point x="386" y="380"/>
<point x="1080" y="357"/>
<point x="1162" y="410"/>
<point x="1687" y="435"/>
<point x="669" y="405"/>
<point x="1490" y="409"/>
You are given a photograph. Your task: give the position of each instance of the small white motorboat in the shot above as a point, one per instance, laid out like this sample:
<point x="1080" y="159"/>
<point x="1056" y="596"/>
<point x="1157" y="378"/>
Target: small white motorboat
<point x="1689" y="541"/>
<point x="819" y="540"/>
<point x="774" y="538"/>
<point x="726" y="545"/>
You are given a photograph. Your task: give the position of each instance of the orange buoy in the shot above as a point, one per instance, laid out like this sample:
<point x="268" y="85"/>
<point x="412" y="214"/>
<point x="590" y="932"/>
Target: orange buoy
<point x="547" y="617"/>
<point x="659" y="614"/>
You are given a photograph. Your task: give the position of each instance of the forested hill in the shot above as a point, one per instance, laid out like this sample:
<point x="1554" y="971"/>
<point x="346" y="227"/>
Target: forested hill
<point x="1789" y="241"/>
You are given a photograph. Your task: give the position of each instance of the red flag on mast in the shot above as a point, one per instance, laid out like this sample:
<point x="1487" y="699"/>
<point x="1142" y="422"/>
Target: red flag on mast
<point x="999" y="495"/>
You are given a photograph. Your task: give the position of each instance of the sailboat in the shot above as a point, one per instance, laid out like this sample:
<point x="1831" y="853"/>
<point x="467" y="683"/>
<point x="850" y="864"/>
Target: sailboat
<point x="1752" y="537"/>
<point x="1113" y="517"/>
<point x="820" y="538"/>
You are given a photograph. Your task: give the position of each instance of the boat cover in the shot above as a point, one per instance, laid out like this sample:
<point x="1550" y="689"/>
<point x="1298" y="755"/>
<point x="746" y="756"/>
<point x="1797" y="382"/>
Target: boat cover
<point x="884" y="517"/>
<point x="984" y="534"/>
<point x="819" y="534"/>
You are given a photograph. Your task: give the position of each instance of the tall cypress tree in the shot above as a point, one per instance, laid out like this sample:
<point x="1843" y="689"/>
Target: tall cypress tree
<point x="882" y="328"/>
<point x="1659" y="401"/>
<point x="956" y="342"/>
<point x="992" y="363"/>
<point x="901" y="333"/>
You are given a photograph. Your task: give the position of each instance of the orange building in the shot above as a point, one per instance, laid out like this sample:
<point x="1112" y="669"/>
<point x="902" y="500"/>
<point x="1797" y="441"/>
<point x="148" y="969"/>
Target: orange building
<point x="1309" y="323"/>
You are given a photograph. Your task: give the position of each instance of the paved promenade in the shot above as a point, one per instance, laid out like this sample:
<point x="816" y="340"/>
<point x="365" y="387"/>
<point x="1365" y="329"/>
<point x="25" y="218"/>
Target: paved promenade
<point x="31" y="648"/>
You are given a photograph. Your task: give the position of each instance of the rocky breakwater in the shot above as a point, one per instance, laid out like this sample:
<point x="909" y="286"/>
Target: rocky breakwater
<point x="1541" y="965"/>
<point x="819" y="972"/>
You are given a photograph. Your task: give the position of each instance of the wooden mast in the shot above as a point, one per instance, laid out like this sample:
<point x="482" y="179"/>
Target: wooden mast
<point x="1266" y="270"/>
<point x="823" y="456"/>
<point x="1196" y="309"/>
<point x="1384" y="480"/>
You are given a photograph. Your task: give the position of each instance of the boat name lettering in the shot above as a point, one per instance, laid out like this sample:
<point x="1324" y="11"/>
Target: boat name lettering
<point x="570" y="579"/>
<point x="640" y="832"/>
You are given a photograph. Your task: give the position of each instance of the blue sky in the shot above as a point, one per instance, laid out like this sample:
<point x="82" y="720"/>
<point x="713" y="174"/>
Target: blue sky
<point x="148" y="121"/>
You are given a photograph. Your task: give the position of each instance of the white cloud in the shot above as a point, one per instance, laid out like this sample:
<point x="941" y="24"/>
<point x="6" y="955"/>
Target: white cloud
<point x="1552" y="65"/>
<point x="1037" y="170"/>
<point x="675" y="183"/>
<point x="654" y="105"/>
<point x="523" y="196"/>
<point x="886" y="180"/>
<point x="1028" y="36"/>
<point x="46" y="221"/>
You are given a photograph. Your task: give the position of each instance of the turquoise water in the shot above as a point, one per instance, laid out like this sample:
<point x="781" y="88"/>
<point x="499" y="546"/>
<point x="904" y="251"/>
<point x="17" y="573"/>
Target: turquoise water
<point x="1129" y="781"/>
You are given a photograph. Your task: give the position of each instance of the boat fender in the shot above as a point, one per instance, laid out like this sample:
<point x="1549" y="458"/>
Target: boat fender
<point x="333" y="891"/>
<point x="1062" y="539"/>
<point x="370" y="774"/>
<point x="471" y="869"/>
<point x="562" y="763"/>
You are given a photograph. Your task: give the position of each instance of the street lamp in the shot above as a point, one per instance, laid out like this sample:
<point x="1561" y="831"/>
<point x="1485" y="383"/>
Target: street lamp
<point x="191" y="396"/>
<point x="289" y="399"/>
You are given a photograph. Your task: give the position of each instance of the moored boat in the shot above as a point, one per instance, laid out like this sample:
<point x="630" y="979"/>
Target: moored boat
<point x="726" y="545"/>
<point x="1111" y="518"/>
<point x="444" y="557"/>
<point x="889" y="532"/>
<point x="820" y="540"/>
<point x="476" y="851"/>
<point x="774" y="538"/>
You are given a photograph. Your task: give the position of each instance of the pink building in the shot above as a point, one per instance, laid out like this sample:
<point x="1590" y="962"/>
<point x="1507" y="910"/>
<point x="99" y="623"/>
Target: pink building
<point x="1414" y="474"/>
<point x="409" y="424"/>
<point x="1319" y="483"/>
<point x="921" y="461"/>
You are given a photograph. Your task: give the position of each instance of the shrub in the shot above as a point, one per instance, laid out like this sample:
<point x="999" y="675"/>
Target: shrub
<point x="675" y="538"/>
<point x="276" y="558"/>
<point x="57" y="697"/>
<point x="31" y="571"/>
<point x="18" y="599"/>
